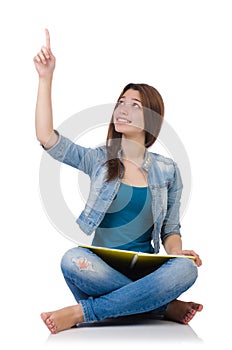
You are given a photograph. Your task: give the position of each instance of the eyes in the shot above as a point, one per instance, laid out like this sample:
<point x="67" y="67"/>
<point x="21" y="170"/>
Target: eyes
<point x="134" y="105"/>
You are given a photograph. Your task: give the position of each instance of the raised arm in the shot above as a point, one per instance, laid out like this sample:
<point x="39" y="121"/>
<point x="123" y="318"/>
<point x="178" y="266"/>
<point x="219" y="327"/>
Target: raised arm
<point x="45" y="64"/>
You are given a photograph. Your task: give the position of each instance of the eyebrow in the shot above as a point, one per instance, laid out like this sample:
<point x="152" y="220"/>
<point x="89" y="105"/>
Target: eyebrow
<point x="134" y="99"/>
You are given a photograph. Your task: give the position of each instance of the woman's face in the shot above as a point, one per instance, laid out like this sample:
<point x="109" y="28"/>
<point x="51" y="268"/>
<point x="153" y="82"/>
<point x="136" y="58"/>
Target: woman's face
<point x="128" y="115"/>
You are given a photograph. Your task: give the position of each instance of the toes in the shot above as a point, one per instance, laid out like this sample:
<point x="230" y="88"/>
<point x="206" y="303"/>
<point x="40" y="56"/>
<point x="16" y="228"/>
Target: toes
<point x="44" y="316"/>
<point x="53" y="330"/>
<point x="187" y="319"/>
<point x="51" y="325"/>
<point x="198" y="307"/>
<point x="189" y="316"/>
<point x="49" y="321"/>
<point x="193" y="312"/>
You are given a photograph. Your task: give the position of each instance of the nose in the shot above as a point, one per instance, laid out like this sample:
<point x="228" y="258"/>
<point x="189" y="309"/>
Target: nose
<point x="124" y="109"/>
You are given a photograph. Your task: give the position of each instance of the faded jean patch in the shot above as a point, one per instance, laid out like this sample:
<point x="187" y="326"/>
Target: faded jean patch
<point x="83" y="263"/>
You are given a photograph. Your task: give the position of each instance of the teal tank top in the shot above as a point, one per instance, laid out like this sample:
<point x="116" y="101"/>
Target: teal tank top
<point x="128" y="223"/>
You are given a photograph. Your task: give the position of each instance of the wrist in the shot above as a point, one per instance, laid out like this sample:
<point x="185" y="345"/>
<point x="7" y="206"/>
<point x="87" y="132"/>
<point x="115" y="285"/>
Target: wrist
<point x="46" y="79"/>
<point x="173" y="244"/>
<point x="175" y="252"/>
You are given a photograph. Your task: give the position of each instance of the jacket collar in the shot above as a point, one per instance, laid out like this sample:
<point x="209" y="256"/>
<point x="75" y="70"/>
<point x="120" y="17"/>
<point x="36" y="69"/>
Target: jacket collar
<point x="146" y="162"/>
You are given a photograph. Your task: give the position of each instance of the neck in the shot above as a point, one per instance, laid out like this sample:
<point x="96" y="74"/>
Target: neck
<point x="133" y="149"/>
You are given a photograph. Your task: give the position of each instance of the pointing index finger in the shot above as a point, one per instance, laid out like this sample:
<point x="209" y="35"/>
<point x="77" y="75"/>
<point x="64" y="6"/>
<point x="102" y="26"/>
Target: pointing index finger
<point x="48" y="46"/>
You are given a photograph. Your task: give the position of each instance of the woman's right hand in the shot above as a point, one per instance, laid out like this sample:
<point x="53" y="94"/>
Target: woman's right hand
<point x="45" y="61"/>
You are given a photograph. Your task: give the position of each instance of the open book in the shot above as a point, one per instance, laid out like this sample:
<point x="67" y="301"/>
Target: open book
<point x="130" y="263"/>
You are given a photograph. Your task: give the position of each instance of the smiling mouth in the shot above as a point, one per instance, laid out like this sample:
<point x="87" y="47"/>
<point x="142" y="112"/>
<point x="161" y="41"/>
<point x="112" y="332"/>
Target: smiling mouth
<point x="123" y="120"/>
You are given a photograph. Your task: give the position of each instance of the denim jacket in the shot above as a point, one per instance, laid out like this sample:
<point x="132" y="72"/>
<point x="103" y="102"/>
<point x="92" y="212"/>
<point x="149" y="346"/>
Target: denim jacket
<point x="164" y="182"/>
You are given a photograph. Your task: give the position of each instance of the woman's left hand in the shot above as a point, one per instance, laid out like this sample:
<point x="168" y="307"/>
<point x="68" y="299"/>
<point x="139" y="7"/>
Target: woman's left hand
<point x="197" y="260"/>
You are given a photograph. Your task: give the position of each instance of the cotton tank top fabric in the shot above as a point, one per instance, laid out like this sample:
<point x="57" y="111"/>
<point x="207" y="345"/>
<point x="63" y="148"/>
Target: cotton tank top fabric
<point x="128" y="223"/>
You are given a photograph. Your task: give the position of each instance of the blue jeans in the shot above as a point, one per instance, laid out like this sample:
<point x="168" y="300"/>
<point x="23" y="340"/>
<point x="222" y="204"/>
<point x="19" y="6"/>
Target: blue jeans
<point x="103" y="292"/>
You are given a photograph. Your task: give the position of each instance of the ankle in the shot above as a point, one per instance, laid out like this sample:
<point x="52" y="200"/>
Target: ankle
<point x="77" y="309"/>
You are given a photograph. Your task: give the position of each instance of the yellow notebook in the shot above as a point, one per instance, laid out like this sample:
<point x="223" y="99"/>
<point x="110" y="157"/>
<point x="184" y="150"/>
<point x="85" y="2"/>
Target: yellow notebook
<point x="130" y="263"/>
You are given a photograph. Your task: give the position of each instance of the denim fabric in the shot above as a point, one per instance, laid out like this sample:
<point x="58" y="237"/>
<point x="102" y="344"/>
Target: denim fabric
<point x="104" y="292"/>
<point x="164" y="181"/>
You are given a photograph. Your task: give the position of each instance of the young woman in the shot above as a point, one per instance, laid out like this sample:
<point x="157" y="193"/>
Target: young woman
<point x="133" y="203"/>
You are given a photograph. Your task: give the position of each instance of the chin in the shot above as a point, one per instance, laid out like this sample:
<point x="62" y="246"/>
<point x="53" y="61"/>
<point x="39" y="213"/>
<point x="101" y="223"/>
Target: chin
<point x="122" y="127"/>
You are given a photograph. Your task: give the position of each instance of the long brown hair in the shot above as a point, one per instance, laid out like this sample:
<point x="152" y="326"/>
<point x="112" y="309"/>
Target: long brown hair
<point x="153" y="108"/>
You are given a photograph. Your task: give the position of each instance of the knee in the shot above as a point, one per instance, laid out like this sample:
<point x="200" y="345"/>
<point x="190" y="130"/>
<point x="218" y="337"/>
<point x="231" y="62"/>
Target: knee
<point x="66" y="263"/>
<point x="189" y="270"/>
<point x="74" y="260"/>
<point x="66" y="260"/>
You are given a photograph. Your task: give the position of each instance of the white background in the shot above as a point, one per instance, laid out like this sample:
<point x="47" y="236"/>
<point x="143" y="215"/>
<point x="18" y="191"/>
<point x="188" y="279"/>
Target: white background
<point x="183" y="48"/>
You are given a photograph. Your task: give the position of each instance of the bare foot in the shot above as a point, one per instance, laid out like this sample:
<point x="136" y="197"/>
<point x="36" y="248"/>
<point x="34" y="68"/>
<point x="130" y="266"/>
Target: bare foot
<point x="63" y="319"/>
<point x="182" y="311"/>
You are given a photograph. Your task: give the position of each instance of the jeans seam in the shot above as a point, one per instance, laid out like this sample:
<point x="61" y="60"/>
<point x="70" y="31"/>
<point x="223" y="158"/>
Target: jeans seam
<point x="148" y="308"/>
<point x="85" y="310"/>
